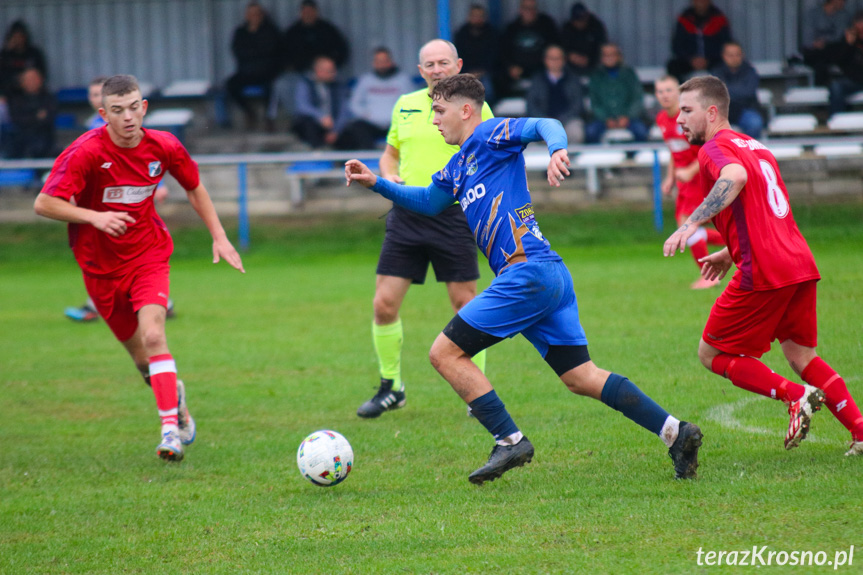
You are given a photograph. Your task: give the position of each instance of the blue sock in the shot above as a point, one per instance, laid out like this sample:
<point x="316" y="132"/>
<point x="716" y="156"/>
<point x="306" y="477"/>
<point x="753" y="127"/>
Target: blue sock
<point x="490" y="411"/>
<point x="621" y="394"/>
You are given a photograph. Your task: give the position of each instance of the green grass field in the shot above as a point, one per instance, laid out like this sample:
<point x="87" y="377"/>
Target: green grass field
<point x="284" y="350"/>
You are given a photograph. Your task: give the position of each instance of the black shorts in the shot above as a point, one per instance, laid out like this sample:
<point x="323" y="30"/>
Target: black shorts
<point x="413" y="240"/>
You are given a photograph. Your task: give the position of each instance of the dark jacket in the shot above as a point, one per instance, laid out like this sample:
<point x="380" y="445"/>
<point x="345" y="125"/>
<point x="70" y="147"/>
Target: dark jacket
<point x="523" y="45"/>
<point x="694" y="36"/>
<point x="307" y="101"/>
<point x="478" y="47"/>
<point x="586" y="42"/>
<point x="257" y="52"/>
<point x="539" y="104"/>
<point x="849" y="58"/>
<point x="301" y="44"/>
<point x="742" y="87"/>
<point x="613" y="95"/>
<point x="13" y="63"/>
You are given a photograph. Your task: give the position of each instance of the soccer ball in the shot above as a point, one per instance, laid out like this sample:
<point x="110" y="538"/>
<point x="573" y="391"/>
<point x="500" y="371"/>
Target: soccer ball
<point x="325" y="458"/>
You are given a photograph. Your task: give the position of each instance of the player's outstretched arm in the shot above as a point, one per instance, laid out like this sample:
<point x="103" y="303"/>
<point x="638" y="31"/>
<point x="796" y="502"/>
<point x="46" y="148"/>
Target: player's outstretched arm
<point x="112" y="223"/>
<point x="428" y="201"/>
<point x="731" y="180"/>
<point x="222" y="247"/>
<point x="716" y="265"/>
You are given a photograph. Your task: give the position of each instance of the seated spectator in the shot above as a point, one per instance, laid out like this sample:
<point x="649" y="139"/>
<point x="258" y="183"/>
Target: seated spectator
<point x="255" y="47"/>
<point x="849" y="58"/>
<point x="522" y="46"/>
<point x="94" y="96"/>
<point x="477" y="43"/>
<point x="701" y="32"/>
<point x="305" y="39"/>
<point x="32" y="111"/>
<point x="556" y="93"/>
<point x="822" y="27"/>
<point x="742" y="82"/>
<point x="321" y="104"/>
<point x="18" y="54"/>
<point x="372" y="101"/>
<point x="616" y="97"/>
<point x="581" y="37"/>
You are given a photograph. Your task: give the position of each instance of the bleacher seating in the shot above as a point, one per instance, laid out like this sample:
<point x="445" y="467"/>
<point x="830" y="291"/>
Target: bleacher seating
<point x="831" y="150"/>
<point x="781" y="152"/>
<point x="792" y="124"/>
<point x="647" y="157"/>
<point x="174" y="120"/>
<point x="846" y="122"/>
<point x="511" y="108"/>
<point x="186" y="89"/>
<point x="647" y="75"/>
<point x="617" y="135"/>
<point x="810" y="96"/>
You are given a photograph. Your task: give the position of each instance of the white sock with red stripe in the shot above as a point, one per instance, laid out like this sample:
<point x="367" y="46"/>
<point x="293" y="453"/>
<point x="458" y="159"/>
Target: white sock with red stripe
<point x="163" y="378"/>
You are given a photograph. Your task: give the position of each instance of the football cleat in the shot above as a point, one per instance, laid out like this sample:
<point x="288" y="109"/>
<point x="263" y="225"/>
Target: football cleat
<point x="171" y="448"/>
<point x="185" y="422"/>
<point x="83" y="313"/>
<point x="856" y="448"/>
<point x="801" y="412"/>
<point x="684" y="451"/>
<point x="502" y="459"/>
<point x="384" y="400"/>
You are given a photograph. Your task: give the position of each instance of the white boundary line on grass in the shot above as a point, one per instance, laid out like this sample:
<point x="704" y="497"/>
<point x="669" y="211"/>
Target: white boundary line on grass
<point x="724" y="415"/>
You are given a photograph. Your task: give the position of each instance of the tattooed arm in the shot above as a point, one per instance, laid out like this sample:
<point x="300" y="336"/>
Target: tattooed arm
<point x="731" y="180"/>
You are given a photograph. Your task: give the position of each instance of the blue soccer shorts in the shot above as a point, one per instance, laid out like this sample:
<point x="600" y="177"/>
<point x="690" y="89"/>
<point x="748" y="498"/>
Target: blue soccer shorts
<point x="536" y="299"/>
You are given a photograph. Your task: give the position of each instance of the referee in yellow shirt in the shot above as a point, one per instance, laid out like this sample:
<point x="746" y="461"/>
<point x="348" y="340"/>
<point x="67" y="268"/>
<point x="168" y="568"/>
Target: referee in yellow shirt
<point x="416" y="150"/>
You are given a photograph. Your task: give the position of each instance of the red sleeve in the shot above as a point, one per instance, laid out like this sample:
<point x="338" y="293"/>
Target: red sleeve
<point x="68" y="176"/>
<point x="182" y="166"/>
<point x="715" y="155"/>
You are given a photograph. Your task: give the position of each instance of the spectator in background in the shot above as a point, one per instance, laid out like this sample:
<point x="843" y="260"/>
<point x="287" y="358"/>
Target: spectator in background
<point x="849" y="58"/>
<point x="18" y="54"/>
<point x="372" y="101"/>
<point x="321" y="104"/>
<point x="307" y="38"/>
<point x="822" y="27"/>
<point x="478" y="44"/>
<point x="522" y="47"/>
<point x="581" y="37"/>
<point x="616" y="97"/>
<point x="255" y="47"/>
<point x="742" y="82"/>
<point x="94" y="96"/>
<point x="701" y="32"/>
<point x="556" y="93"/>
<point x="32" y="111"/>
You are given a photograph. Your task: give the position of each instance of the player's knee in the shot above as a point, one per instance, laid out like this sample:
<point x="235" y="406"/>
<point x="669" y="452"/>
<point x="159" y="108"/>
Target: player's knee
<point x="386" y="310"/>
<point x="706" y="354"/>
<point x="153" y="339"/>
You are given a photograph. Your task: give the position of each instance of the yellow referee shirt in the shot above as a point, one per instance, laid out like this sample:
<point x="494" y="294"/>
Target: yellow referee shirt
<point x="422" y="150"/>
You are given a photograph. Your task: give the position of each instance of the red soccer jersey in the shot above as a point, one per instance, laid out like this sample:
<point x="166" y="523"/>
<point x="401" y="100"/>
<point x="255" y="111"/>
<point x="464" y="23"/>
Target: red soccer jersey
<point x="682" y="152"/>
<point x="102" y="176"/>
<point x="758" y="227"/>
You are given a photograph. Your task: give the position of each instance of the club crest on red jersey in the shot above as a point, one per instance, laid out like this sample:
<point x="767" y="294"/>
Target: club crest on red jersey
<point x="154" y="169"/>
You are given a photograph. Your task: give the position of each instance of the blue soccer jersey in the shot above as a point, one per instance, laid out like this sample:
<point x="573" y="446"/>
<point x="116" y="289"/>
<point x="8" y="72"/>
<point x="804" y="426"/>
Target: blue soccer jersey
<point x="488" y="178"/>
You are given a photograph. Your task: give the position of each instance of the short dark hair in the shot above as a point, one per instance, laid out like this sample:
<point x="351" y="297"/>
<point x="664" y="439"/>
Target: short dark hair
<point x="119" y="85"/>
<point x="711" y="92"/>
<point x="460" y="86"/>
<point x="97" y="81"/>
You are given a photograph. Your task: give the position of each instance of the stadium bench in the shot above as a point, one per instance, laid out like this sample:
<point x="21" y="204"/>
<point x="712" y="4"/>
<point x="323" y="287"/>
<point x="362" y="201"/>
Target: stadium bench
<point x="832" y="150"/>
<point x="192" y="89"/>
<point x="173" y="120"/>
<point x="322" y="169"/>
<point x="17" y="178"/>
<point x="792" y="124"/>
<point x="511" y="108"/>
<point x="814" y="96"/>
<point x="846" y="122"/>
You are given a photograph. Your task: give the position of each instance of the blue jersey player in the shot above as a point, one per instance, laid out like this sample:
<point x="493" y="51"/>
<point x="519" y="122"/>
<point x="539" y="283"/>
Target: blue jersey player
<point x="532" y="292"/>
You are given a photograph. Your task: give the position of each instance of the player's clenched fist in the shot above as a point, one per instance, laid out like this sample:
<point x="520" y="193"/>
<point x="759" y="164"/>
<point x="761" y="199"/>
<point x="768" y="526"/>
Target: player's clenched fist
<point x="558" y="167"/>
<point x="356" y="171"/>
<point x="112" y="223"/>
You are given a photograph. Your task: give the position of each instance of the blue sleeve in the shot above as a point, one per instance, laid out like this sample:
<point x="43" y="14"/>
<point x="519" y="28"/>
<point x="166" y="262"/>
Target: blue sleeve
<point x="428" y="201"/>
<point x="547" y="129"/>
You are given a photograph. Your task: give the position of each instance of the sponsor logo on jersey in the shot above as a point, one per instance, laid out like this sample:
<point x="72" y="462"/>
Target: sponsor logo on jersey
<point x="154" y="168"/>
<point x="471" y="165"/>
<point x="751" y="144"/>
<point x="472" y="195"/>
<point x="127" y="194"/>
<point x="106" y="165"/>
<point x="525" y="213"/>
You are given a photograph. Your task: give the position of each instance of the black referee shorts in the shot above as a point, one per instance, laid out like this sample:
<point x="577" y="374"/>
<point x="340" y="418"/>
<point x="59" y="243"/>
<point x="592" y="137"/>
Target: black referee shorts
<point x="412" y="241"/>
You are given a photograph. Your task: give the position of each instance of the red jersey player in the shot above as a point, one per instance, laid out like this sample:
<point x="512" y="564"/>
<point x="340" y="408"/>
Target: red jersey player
<point x="773" y="292"/>
<point x="683" y="170"/>
<point x="122" y="245"/>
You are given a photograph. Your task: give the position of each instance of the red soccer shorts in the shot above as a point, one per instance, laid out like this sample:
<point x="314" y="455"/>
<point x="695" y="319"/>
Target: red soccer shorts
<point x="119" y="299"/>
<point x="747" y="322"/>
<point x="689" y="197"/>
